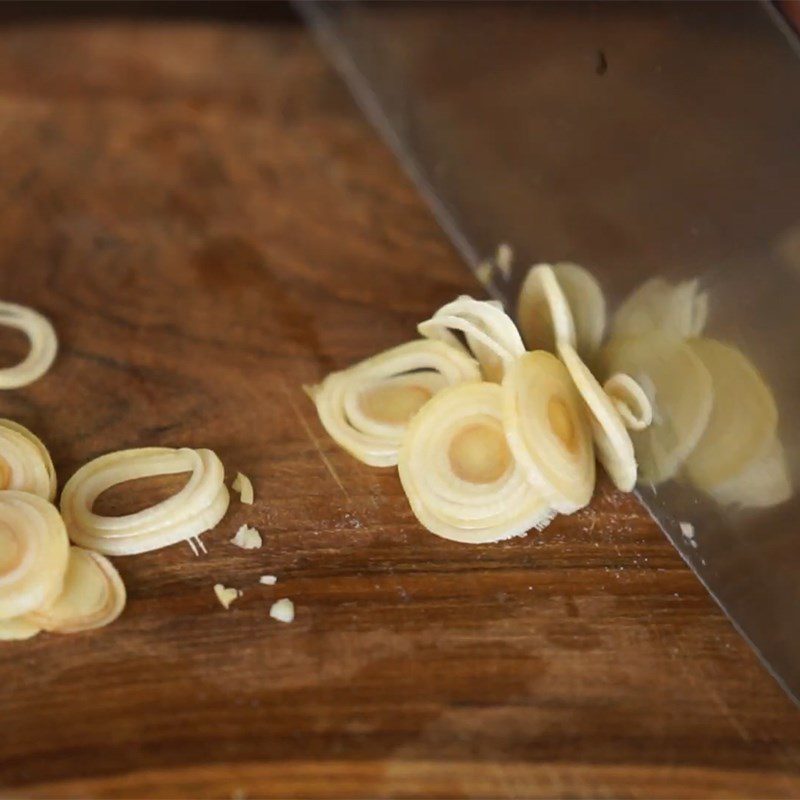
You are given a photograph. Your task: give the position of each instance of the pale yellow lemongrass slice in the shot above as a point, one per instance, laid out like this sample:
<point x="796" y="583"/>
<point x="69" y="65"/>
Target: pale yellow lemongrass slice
<point x="548" y="430"/>
<point x="611" y="439"/>
<point x="226" y="595"/>
<point x="458" y="473"/>
<point x="367" y="408"/>
<point x="196" y="508"/>
<point x="43" y="345"/>
<point x="630" y="400"/>
<point x="93" y="596"/>
<point x="543" y="311"/>
<point x="743" y="418"/>
<point x="243" y="485"/>
<point x="25" y="464"/>
<point x="680" y="392"/>
<point x="490" y="333"/>
<point x="504" y="258"/>
<point x="17" y="629"/>
<point x="33" y="553"/>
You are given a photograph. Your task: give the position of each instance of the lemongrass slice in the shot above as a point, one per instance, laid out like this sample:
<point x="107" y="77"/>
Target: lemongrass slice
<point x="43" y="342"/>
<point x="543" y="311"/>
<point x="25" y="464"/>
<point x="458" y="473"/>
<point x="490" y="333"/>
<point x="630" y="400"/>
<point x="743" y="419"/>
<point x="93" y="596"/>
<point x="196" y="508"/>
<point x="33" y="553"/>
<point x="611" y="439"/>
<point x="17" y="629"/>
<point x="243" y="485"/>
<point x="680" y="392"/>
<point x="548" y="430"/>
<point x="366" y="408"/>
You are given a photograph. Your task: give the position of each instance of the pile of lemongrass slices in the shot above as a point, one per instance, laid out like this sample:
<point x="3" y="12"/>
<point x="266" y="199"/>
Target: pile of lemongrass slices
<point x="492" y="439"/>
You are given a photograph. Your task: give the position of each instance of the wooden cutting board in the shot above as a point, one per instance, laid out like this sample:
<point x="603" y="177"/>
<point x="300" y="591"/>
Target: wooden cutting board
<point x="209" y="223"/>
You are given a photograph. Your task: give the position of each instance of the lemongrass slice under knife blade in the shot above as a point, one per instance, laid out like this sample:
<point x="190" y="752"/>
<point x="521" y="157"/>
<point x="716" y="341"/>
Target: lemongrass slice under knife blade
<point x="611" y="439"/>
<point x="490" y="333"/>
<point x="630" y="400"/>
<point x="43" y="345"/>
<point x="548" y="430"/>
<point x="17" y="629"/>
<point x="543" y="311"/>
<point x="25" y="463"/>
<point x="458" y="473"/>
<point x="93" y="596"/>
<point x="367" y="407"/>
<point x="196" y="508"/>
<point x="33" y="553"/>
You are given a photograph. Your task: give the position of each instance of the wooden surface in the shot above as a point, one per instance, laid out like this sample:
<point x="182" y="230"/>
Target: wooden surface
<point x="209" y="223"/>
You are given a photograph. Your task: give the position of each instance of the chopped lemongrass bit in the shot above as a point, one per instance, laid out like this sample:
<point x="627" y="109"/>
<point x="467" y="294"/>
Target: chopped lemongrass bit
<point x="17" y="629"/>
<point x="247" y="538"/>
<point x="226" y="595"/>
<point x="43" y="341"/>
<point x="504" y="259"/>
<point x="282" y="610"/>
<point x="93" y="595"/>
<point x="268" y="580"/>
<point x="196" y="508"/>
<point x="483" y="272"/>
<point x="458" y="473"/>
<point x="193" y="546"/>
<point x="630" y="400"/>
<point x="366" y="408"/>
<point x="543" y="311"/>
<point x="243" y="485"/>
<point x="687" y="529"/>
<point x="200" y="545"/>
<point x="25" y="464"/>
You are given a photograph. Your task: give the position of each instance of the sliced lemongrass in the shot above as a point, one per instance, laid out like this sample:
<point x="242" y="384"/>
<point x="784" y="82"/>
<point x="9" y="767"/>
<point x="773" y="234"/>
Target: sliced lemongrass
<point x="630" y="400"/>
<point x="43" y="345"/>
<point x="743" y="418"/>
<point x="282" y="610"/>
<point x="193" y="547"/>
<point x="548" y="430"/>
<point x="504" y="258"/>
<point x="366" y="408"/>
<point x="680" y="309"/>
<point x="226" y="595"/>
<point x="247" y="538"/>
<point x="458" y="473"/>
<point x="25" y="464"/>
<point x="490" y="333"/>
<point x="17" y="629"/>
<point x="93" y="595"/>
<point x="680" y="392"/>
<point x="543" y="311"/>
<point x="611" y="439"/>
<point x="196" y="508"/>
<point x="243" y="485"/>
<point x="33" y="553"/>
<point x="268" y="580"/>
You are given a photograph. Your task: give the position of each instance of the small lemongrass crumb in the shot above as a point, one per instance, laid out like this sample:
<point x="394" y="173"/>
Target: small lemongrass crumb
<point x="247" y="538"/>
<point x="687" y="529"/>
<point x="243" y="485"/>
<point x="282" y="610"/>
<point x="484" y="272"/>
<point x="504" y="259"/>
<point x="268" y="580"/>
<point x="226" y="595"/>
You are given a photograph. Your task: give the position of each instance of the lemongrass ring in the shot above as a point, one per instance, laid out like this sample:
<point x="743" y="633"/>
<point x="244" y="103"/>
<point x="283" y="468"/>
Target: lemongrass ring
<point x="93" y="596"/>
<point x="25" y="464"/>
<point x="367" y="407"/>
<point x="611" y="439"/>
<point x="549" y="431"/>
<point x="543" y="311"/>
<point x="630" y="400"/>
<point x="33" y="553"/>
<point x="17" y="629"/>
<point x="458" y="473"/>
<point x="43" y="345"/>
<point x="196" y="508"/>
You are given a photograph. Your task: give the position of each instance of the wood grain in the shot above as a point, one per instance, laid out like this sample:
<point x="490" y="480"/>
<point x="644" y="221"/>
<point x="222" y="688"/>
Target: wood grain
<point x="209" y="223"/>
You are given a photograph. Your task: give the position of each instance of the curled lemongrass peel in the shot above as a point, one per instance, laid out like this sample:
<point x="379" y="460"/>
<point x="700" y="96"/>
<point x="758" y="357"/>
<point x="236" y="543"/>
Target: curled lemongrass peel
<point x="196" y="508"/>
<point x="458" y="473"/>
<point x="43" y="345"/>
<point x="630" y="400"/>
<point x="243" y="485"/>
<point x="17" y="629"/>
<point x="549" y="431"/>
<point x="25" y="464"/>
<point x="33" y="553"/>
<point x="93" y="596"/>
<point x="490" y="333"/>
<point x="611" y="439"/>
<point x="366" y="408"/>
<point x="543" y="311"/>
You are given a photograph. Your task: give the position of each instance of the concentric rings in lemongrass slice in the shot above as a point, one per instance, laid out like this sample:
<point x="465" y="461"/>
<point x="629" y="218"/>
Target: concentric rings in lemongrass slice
<point x="33" y="553"/>
<point x="611" y="439"/>
<point x="93" y="596"/>
<point x="367" y="408"/>
<point x="489" y="332"/>
<point x="548" y="430"/>
<point x="196" y="508"/>
<point x="543" y="311"/>
<point x="630" y="400"/>
<point x="43" y="345"/>
<point x="25" y="463"/>
<point x="459" y="474"/>
<point x="17" y="629"/>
